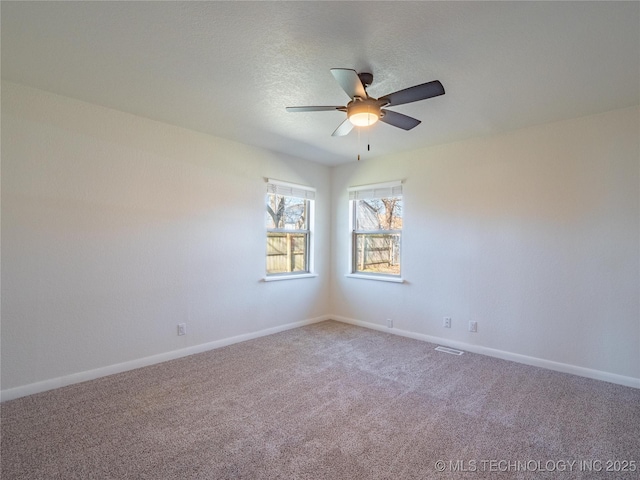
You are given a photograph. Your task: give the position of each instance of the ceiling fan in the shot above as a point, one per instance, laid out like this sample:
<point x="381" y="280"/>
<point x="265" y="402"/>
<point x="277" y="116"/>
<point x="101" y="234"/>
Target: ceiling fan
<point x="364" y="110"/>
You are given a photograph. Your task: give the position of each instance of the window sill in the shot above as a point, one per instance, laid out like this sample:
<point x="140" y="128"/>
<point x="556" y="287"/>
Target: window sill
<point x="379" y="278"/>
<point x="275" y="278"/>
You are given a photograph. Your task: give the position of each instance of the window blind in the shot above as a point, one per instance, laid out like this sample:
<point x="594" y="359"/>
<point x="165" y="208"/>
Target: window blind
<point x="378" y="190"/>
<point x="290" y="189"/>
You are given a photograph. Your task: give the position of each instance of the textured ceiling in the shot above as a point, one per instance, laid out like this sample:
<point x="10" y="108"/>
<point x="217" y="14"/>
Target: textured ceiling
<point x="230" y="68"/>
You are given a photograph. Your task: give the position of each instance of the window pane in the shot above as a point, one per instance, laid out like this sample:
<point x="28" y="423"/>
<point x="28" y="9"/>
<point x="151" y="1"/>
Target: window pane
<point x="286" y="252"/>
<point x="379" y="214"/>
<point x="290" y="213"/>
<point x="377" y="253"/>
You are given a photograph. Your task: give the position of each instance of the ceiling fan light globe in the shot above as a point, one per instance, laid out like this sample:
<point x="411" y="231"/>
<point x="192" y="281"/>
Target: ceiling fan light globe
<point x="363" y="119"/>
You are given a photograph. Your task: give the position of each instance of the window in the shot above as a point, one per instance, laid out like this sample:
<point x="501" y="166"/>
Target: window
<point x="376" y="229"/>
<point x="289" y="220"/>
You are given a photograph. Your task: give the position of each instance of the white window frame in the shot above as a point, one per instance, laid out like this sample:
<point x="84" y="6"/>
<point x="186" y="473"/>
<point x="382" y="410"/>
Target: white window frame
<point x="363" y="192"/>
<point x="298" y="191"/>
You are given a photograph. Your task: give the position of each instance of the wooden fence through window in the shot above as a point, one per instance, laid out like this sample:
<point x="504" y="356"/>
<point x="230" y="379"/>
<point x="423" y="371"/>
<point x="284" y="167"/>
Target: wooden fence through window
<point x="286" y="252"/>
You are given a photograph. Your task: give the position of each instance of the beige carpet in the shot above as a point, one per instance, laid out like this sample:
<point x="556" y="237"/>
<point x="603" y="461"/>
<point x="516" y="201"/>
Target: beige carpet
<point x="327" y="401"/>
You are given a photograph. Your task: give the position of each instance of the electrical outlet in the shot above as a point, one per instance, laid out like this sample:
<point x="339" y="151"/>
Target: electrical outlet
<point x="389" y="323"/>
<point x="473" y="326"/>
<point x="446" y="322"/>
<point x="182" y="329"/>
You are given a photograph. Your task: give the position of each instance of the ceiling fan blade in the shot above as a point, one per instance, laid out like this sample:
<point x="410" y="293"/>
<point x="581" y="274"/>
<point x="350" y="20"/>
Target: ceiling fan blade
<point x="413" y="94"/>
<point x="344" y="128"/>
<point x="314" y="109"/>
<point x="399" y="120"/>
<point x="350" y="82"/>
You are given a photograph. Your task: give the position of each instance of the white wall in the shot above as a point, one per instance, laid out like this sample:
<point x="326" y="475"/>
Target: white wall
<point x="115" y="228"/>
<point x="534" y="234"/>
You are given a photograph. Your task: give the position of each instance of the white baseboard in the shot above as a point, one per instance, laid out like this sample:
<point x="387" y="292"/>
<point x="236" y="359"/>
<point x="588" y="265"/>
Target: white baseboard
<point x="50" y="384"/>
<point x="37" y="387"/>
<point x="491" y="352"/>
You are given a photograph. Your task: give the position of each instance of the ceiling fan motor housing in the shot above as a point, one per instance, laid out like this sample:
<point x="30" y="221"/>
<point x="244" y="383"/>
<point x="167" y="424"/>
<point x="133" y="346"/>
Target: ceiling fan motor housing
<point x="366" y="78"/>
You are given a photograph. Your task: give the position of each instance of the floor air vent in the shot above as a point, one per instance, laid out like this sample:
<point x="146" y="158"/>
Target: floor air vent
<point x="452" y="351"/>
